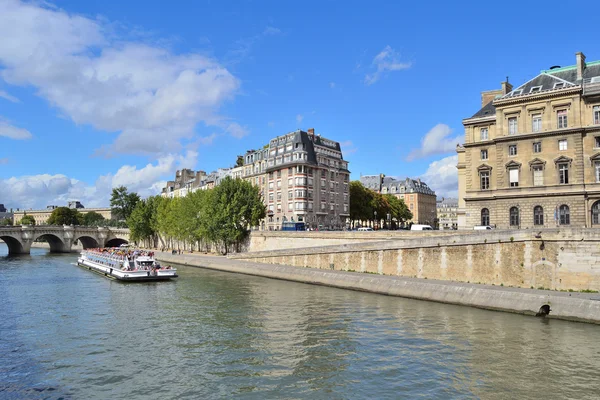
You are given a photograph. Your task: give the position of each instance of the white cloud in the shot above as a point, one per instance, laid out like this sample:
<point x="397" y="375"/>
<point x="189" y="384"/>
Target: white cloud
<point x="8" y="97"/>
<point x="436" y="141"/>
<point x="442" y="176"/>
<point x="384" y="62"/>
<point x="348" y="148"/>
<point x="271" y="124"/>
<point x="38" y="191"/>
<point x="151" y="95"/>
<point x="299" y="118"/>
<point x="270" y="30"/>
<point x="208" y="140"/>
<point x="12" y="132"/>
<point x="236" y="130"/>
<point x="332" y="85"/>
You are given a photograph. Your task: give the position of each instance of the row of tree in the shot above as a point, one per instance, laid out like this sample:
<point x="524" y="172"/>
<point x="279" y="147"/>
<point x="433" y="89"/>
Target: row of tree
<point x="216" y="218"/>
<point x="367" y="205"/>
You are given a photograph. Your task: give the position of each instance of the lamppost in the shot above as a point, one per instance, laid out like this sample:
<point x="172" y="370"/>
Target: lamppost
<point x="389" y="219"/>
<point x="375" y="221"/>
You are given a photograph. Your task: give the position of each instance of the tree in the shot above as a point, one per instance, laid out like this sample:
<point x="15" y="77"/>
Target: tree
<point x="122" y="202"/>
<point x="398" y="209"/>
<point x="239" y="161"/>
<point x="236" y="205"/>
<point x="64" y="216"/>
<point x="6" y="222"/>
<point x="361" y="202"/>
<point x="91" y="218"/>
<point x="27" y="220"/>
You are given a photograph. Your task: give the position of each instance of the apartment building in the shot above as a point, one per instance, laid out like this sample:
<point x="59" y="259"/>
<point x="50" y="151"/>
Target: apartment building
<point x="531" y="156"/>
<point x="303" y="178"/>
<point x="447" y="209"/>
<point x="418" y="197"/>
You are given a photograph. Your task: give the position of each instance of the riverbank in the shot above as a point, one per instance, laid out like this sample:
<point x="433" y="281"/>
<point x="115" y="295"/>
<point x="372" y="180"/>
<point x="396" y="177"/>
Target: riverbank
<point x="572" y="306"/>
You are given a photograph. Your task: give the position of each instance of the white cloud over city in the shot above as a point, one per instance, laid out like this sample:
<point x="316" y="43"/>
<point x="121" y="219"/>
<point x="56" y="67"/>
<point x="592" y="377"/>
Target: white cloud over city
<point x="92" y="74"/>
<point x="12" y="132"/>
<point x="386" y="61"/>
<point x="438" y="140"/>
<point x="442" y="176"/>
<point x="38" y="191"/>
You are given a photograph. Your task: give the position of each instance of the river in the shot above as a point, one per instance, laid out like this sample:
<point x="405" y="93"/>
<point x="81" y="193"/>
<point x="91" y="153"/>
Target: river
<point x="66" y="333"/>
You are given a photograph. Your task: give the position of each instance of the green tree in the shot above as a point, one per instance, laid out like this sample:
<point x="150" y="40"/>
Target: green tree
<point x="398" y="209"/>
<point x="6" y="222"/>
<point x="91" y="218"/>
<point x="64" y="216"/>
<point x="122" y="202"/>
<point x="361" y="202"/>
<point x="235" y="206"/>
<point x="27" y="220"/>
<point x="239" y="161"/>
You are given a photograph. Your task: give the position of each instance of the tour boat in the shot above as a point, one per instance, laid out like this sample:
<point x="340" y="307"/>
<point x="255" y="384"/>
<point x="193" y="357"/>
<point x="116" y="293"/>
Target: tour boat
<point x="125" y="265"/>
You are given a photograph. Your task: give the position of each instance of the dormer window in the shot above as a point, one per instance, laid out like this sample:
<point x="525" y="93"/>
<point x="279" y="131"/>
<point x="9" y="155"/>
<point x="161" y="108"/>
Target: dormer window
<point x="517" y="92"/>
<point x="535" y="89"/>
<point x="559" y="85"/>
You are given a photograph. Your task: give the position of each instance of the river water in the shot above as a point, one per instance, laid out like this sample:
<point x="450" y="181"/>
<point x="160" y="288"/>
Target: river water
<point x="68" y="333"/>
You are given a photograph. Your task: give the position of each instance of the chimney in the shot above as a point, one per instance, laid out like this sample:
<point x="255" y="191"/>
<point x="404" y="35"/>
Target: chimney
<point x="506" y="87"/>
<point x="580" y="64"/>
<point x="311" y="131"/>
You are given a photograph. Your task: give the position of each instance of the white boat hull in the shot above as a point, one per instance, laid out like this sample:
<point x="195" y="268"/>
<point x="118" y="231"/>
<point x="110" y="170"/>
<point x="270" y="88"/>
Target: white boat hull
<point x="132" y="276"/>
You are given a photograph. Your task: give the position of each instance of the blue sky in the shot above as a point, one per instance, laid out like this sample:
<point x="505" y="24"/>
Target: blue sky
<point x="99" y="94"/>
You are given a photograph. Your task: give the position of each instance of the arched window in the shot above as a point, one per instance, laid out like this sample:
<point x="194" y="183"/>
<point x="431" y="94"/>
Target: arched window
<point x="538" y="215"/>
<point x="596" y="213"/>
<point x="514" y="216"/>
<point x="485" y="217"/>
<point x="564" y="215"/>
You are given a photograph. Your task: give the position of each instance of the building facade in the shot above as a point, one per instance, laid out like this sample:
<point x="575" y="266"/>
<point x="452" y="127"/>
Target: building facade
<point x="303" y="178"/>
<point x="531" y="156"/>
<point x="41" y="216"/>
<point x="447" y="214"/>
<point x="418" y="197"/>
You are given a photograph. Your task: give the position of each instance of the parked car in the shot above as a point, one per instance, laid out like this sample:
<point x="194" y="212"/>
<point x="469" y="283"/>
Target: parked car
<point x="367" y="229"/>
<point x="419" y="227"/>
<point x="482" y="227"/>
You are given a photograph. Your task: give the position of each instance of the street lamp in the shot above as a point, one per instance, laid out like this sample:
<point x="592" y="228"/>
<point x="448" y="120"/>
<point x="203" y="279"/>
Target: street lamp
<point x="375" y="221"/>
<point x="389" y="219"/>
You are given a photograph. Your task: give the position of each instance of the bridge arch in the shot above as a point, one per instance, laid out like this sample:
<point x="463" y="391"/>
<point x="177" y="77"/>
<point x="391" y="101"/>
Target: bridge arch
<point x="57" y="245"/>
<point x="115" y="242"/>
<point x="14" y="245"/>
<point x="87" y="242"/>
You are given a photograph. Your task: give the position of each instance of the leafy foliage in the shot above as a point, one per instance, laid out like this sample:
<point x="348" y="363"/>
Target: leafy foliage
<point x="91" y="218"/>
<point x="64" y="216"/>
<point x="122" y="202"/>
<point x="27" y="220"/>
<point x="365" y="202"/>
<point x="220" y="216"/>
<point x="6" y="222"/>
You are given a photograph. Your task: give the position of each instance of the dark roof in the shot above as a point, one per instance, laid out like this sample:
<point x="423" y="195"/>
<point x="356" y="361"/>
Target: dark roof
<point x="486" y="111"/>
<point x="547" y="80"/>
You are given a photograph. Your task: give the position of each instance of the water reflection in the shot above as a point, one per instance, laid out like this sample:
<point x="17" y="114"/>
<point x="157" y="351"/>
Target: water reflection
<point x="74" y="334"/>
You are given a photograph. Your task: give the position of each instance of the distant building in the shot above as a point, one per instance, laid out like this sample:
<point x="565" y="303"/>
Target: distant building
<point x="75" y="204"/>
<point x="2" y="208"/>
<point x="41" y="216"/>
<point x="186" y="181"/>
<point x="417" y="196"/>
<point x="4" y="213"/>
<point x="447" y="215"/>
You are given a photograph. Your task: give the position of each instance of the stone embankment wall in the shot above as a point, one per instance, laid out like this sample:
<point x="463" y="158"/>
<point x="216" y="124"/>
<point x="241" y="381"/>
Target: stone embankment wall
<point x="565" y="259"/>
<point x="275" y="240"/>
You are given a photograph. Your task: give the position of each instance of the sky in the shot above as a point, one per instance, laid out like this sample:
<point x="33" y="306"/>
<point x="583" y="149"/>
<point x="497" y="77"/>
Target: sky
<point x="98" y="94"/>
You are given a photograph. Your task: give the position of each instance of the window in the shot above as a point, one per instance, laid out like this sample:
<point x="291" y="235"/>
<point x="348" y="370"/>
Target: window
<point x="512" y="126"/>
<point x="278" y="184"/>
<point x="562" y="118"/>
<point x="271" y="197"/>
<point x="512" y="150"/>
<point x="562" y="144"/>
<point x="596" y="213"/>
<point x="536" y="120"/>
<point x="485" y="217"/>
<point x="597" y="171"/>
<point x="538" y="215"/>
<point x="483" y="134"/>
<point x="514" y="216"/>
<point x="564" y="217"/>
<point x="278" y="196"/>
<point x="563" y="173"/>
<point x="538" y="175"/>
<point x="596" y="115"/>
<point x="290" y="194"/>
<point x="559" y="85"/>
<point x="484" y="177"/>
<point x="537" y="147"/>
<point x="484" y="154"/>
<point x="535" y="89"/>
<point x="513" y="174"/>
<point x="597" y="141"/>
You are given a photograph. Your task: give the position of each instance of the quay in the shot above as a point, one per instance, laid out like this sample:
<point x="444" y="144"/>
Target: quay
<point x="573" y="306"/>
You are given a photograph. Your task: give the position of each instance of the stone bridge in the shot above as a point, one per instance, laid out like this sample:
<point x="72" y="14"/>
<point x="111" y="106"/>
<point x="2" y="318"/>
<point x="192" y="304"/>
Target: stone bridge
<point x="61" y="237"/>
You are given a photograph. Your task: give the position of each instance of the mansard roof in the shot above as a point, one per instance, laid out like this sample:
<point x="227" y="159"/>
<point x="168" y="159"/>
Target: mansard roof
<point x="555" y="79"/>
<point x="486" y="111"/>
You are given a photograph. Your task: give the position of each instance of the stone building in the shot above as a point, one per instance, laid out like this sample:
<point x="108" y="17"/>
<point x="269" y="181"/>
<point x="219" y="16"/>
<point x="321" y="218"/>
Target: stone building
<point x="417" y="196"/>
<point x="531" y="156"/>
<point x="447" y="209"/>
<point x="303" y="178"/>
<point x="41" y="216"/>
<point x="185" y="181"/>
